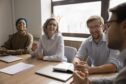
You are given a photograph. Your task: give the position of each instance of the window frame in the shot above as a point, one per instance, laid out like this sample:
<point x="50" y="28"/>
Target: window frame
<point x="104" y="12"/>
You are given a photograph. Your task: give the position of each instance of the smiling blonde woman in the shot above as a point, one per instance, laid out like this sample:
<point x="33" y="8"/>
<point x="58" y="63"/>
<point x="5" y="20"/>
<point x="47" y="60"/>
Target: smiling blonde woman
<point x="51" y="44"/>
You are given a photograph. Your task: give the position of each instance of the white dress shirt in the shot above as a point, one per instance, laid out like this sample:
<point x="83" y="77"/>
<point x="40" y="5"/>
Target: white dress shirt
<point x="52" y="49"/>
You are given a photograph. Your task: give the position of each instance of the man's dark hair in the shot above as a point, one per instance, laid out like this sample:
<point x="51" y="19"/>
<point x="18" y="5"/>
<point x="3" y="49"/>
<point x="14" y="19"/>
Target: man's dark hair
<point x="120" y="12"/>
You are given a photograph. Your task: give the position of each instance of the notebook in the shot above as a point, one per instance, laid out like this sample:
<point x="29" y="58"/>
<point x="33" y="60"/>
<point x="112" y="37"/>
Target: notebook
<point x="64" y="67"/>
<point x="48" y="71"/>
<point x="13" y="69"/>
<point x="10" y="58"/>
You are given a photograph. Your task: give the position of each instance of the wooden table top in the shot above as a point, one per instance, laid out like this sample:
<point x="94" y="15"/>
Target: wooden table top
<point x="29" y="77"/>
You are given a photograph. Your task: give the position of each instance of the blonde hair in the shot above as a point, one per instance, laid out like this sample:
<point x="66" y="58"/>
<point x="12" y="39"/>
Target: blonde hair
<point x="95" y="17"/>
<point x="46" y="24"/>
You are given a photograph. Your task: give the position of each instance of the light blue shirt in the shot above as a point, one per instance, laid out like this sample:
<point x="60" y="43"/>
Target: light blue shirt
<point x="98" y="54"/>
<point x="52" y="49"/>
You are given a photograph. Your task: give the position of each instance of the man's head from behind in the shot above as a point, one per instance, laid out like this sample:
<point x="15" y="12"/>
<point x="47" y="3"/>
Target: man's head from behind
<point x="117" y="27"/>
<point x="95" y="25"/>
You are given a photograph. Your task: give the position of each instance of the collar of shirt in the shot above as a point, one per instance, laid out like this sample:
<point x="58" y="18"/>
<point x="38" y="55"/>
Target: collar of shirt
<point x="53" y="37"/>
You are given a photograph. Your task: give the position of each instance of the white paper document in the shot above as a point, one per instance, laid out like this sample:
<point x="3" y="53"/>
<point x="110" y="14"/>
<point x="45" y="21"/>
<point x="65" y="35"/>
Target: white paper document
<point x="16" y="68"/>
<point x="10" y="58"/>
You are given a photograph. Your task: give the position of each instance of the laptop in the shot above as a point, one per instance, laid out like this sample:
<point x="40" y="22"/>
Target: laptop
<point x="49" y="72"/>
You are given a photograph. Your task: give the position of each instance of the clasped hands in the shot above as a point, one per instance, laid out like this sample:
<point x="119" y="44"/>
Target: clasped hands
<point x="4" y="52"/>
<point x="80" y="74"/>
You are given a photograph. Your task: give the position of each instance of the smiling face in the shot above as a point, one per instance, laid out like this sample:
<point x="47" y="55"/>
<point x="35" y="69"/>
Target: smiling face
<point x="21" y="26"/>
<point x="95" y="29"/>
<point x="51" y="27"/>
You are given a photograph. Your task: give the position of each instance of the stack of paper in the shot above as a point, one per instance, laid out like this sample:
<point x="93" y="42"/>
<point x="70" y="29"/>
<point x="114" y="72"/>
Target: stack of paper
<point x="10" y="58"/>
<point x="16" y="68"/>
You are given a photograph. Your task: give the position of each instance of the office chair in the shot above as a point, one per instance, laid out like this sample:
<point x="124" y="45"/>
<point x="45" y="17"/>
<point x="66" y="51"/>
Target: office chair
<point x="70" y="52"/>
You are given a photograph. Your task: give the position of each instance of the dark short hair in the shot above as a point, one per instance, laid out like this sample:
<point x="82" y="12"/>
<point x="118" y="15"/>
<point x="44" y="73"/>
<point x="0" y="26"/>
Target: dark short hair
<point x="17" y="21"/>
<point x="120" y="12"/>
<point x="46" y="24"/>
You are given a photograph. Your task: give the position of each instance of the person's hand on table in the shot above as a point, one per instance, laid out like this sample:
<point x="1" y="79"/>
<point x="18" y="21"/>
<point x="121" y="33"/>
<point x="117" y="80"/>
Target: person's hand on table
<point x="80" y="74"/>
<point x="34" y="46"/>
<point x="3" y="51"/>
<point x="81" y="66"/>
<point x="80" y="77"/>
<point x="39" y="56"/>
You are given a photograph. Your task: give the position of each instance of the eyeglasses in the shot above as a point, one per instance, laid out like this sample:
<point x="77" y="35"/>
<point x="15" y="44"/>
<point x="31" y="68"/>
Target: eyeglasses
<point x="109" y="23"/>
<point x="95" y="27"/>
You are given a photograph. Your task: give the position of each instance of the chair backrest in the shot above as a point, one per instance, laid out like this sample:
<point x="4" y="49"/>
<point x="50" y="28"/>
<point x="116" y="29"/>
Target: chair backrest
<point x="70" y="52"/>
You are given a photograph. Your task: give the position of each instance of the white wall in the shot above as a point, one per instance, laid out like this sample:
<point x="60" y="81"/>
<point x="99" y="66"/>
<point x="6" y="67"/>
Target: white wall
<point x="35" y="11"/>
<point x="5" y="20"/>
<point x="31" y="10"/>
<point x="45" y="10"/>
